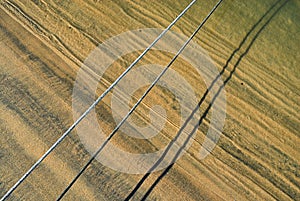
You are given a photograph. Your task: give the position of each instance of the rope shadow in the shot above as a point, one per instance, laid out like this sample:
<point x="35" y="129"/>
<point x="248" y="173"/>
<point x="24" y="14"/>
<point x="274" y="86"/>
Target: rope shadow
<point x="161" y="176"/>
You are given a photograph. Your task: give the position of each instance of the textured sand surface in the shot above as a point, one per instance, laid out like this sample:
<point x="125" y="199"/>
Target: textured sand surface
<point x="44" y="43"/>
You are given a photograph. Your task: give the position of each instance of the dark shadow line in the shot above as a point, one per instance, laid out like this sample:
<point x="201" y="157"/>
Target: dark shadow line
<point x="99" y="150"/>
<point x="139" y="184"/>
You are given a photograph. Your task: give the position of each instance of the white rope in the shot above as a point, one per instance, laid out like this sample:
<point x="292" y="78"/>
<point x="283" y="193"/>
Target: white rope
<point x="13" y="188"/>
